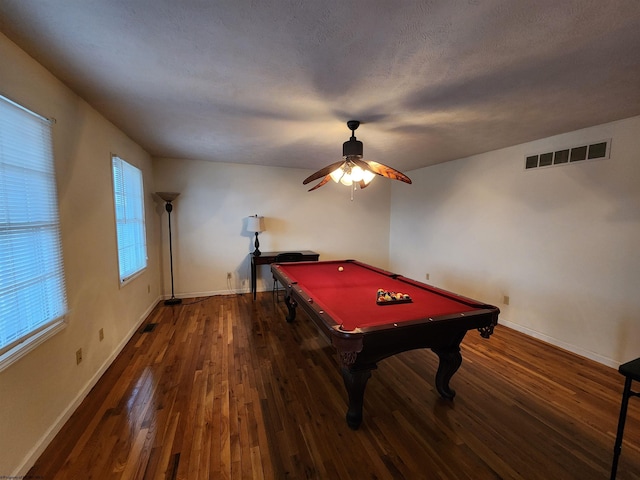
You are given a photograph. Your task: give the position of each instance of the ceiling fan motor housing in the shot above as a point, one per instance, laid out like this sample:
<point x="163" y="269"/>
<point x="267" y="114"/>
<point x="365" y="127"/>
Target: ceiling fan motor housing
<point x="352" y="147"/>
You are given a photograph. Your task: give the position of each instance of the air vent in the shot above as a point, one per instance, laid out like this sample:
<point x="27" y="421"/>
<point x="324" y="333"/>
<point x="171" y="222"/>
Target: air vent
<point x="149" y="327"/>
<point x="564" y="156"/>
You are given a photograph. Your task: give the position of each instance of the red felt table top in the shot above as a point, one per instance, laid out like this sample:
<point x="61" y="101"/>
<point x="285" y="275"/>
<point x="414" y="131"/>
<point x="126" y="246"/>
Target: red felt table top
<point x="349" y="296"/>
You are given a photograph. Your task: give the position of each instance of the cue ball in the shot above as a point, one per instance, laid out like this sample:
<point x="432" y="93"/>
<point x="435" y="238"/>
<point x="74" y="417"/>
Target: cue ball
<point x="340" y="269"/>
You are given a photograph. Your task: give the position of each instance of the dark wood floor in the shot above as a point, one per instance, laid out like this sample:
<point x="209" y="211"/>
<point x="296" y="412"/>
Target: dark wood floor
<point x="225" y="388"/>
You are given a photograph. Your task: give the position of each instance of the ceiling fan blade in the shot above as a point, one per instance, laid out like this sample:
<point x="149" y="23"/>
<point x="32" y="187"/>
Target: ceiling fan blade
<point x="362" y="184"/>
<point x="321" y="183"/>
<point x="322" y="172"/>
<point x="387" y="171"/>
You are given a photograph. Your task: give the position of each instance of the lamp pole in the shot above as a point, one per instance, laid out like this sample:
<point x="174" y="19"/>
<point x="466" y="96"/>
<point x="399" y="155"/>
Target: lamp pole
<point x="169" y="197"/>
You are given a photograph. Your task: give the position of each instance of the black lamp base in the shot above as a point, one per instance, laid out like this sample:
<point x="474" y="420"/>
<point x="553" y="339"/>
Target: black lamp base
<point x="172" y="301"/>
<point x="256" y="252"/>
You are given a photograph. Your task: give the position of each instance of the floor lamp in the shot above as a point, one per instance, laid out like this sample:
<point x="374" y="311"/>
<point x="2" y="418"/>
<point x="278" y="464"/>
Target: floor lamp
<point x="169" y="197"/>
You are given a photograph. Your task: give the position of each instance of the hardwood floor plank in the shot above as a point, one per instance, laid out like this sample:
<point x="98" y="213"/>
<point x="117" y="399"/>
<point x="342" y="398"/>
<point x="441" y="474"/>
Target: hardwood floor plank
<point x="224" y="388"/>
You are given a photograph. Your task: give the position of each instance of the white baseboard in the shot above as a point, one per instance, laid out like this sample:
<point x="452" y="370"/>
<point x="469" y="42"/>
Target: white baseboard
<point x="565" y="346"/>
<point x="38" y="449"/>
<point x="211" y="293"/>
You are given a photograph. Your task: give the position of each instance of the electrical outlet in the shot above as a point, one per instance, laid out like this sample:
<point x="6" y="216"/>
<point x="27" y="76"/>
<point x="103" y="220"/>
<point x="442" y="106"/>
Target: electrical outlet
<point x="427" y="276"/>
<point x="505" y="300"/>
<point x="79" y="356"/>
<point x="101" y="334"/>
<point x="228" y="275"/>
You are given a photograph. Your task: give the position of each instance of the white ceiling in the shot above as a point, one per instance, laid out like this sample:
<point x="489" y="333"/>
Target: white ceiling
<point x="273" y="82"/>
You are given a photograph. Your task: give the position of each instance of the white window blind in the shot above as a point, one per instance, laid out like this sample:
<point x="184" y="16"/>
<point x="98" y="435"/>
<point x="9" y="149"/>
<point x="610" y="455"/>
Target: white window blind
<point x="32" y="288"/>
<point x="128" y="193"/>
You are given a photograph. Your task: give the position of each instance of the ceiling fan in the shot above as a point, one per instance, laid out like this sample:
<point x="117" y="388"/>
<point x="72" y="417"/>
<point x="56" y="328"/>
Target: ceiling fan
<point x="352" y="170"/>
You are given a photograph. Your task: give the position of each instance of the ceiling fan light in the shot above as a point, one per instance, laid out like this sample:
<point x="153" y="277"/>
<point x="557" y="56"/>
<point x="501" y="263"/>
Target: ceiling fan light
<point x="337" y="174"/>
<point x="357" y="173"/>
<point x="367" y="176"/>
<point x="346" y="180"/>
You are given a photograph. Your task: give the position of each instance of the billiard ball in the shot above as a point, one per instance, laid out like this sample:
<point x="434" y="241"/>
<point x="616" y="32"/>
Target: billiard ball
<point x="340" y="269"/>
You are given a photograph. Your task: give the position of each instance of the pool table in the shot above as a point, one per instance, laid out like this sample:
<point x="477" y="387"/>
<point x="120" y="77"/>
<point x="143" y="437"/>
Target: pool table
<point x="341" y="298"/>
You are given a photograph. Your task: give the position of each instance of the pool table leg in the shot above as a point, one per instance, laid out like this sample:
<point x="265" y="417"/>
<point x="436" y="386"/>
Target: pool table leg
<point x="355" y="381"/>
<point x="291" y="307"/>
<point x="450" y="361"/>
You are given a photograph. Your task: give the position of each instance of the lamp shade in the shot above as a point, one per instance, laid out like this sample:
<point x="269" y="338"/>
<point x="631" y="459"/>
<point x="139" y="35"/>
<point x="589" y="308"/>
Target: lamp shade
<point x="255" y="224"/>
<point x="168" y="196"/>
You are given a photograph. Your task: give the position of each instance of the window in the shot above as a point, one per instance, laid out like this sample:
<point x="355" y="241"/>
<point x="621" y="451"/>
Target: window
<point x="32" y="289"/>
<point x="128" y="194"/>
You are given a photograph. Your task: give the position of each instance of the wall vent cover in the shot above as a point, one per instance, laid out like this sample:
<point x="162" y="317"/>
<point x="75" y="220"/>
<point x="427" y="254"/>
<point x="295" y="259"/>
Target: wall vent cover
<point x="149" y="327"/>
<point x="564" y="156"/>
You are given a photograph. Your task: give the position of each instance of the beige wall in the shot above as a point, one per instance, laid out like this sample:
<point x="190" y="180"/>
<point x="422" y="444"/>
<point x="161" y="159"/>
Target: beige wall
<point x="209" y="221"/>
<point x="561" y="242"/>
<point x="42" y="389"/>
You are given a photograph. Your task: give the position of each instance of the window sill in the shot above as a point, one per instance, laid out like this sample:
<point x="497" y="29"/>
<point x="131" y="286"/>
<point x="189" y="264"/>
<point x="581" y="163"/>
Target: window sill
<point x="132" y="277"/>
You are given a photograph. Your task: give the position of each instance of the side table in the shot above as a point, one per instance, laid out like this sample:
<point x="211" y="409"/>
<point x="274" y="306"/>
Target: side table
<point x="267" y="258"/>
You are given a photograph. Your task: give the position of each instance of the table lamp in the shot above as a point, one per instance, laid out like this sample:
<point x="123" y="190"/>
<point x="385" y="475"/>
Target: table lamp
<point x="256" y="224"/>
